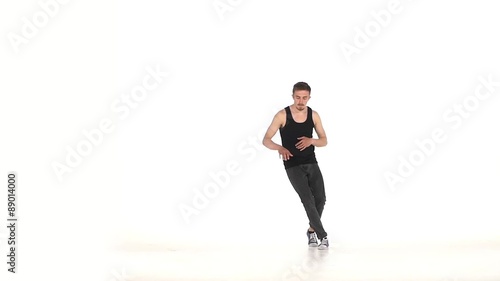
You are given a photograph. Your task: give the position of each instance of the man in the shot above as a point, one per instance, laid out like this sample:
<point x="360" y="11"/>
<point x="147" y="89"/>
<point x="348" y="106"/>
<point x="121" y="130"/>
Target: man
<point x="296" y="123"/>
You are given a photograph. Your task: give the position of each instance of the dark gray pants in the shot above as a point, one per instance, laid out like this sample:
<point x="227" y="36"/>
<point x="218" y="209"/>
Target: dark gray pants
<point x="307" y="181"/>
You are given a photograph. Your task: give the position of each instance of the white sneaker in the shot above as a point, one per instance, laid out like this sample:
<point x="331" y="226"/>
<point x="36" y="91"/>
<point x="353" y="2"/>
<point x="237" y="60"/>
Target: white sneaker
<point x="324" y="244"/>
<point x="313" y="239"/>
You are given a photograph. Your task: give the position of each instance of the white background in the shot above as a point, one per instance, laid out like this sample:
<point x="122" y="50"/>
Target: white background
<point x="227" y="78"/>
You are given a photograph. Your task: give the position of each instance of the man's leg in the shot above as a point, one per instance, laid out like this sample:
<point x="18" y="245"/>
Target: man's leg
<point x="299" y="178"/>
<point x="317" y="187"/>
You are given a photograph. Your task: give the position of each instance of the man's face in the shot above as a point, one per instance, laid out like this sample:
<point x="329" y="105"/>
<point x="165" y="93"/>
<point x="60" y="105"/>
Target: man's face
<point x="300" y="99"/>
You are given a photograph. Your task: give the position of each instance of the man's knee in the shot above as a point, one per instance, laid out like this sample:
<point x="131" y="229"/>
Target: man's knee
<point x="309" y="203"/>
<point x="320" y="200"/>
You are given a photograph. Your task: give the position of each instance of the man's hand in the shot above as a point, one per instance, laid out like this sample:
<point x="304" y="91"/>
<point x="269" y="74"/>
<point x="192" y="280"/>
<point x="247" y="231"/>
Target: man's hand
<point x="284" y="153"/>
<point x="304" y="143"/>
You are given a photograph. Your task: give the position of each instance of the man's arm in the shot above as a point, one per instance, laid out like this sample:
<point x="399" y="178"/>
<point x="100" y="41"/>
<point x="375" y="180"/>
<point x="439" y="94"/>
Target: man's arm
<point x="278" y="120"/>
<point x="271" y="131"/>
<point x="320" y="131"/>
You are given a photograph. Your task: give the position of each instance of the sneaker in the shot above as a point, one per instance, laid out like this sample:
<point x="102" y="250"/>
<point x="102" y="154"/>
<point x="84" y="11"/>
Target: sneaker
<point x="313" y="239"/>
<point x="324" y="244"/>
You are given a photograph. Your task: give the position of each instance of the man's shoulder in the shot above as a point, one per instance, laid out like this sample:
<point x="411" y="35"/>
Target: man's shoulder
<point x="315" y="116"/>
<point x="314" y="112"/>
<point x="281" y="113"/>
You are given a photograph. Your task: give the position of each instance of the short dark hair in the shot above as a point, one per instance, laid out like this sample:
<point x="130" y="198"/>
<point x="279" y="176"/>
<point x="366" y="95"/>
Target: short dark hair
<point x="301" y="86"/>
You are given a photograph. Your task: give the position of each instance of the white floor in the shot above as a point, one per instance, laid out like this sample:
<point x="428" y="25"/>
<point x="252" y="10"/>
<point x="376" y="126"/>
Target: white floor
<point x="451" y="262"/>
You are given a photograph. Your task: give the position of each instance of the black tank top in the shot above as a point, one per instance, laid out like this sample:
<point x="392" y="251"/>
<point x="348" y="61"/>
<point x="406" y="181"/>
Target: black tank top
<point x="289" y="134"/>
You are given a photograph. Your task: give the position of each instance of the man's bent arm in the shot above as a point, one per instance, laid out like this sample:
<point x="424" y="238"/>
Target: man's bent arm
<point x="322" y="141"/>
<point x="271" y="131"/>
<point x="269" y="143"/>
<point x="320" y="131"/>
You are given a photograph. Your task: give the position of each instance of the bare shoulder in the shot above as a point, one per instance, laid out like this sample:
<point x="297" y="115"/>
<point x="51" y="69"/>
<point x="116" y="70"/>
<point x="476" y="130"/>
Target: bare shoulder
<point x="280" y="117"/>
<point x="315" y="116"/>
<point x="281" y="113"/>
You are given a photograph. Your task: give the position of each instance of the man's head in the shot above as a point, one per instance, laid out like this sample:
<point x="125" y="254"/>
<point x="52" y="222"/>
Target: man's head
<point x="301" y="94"/>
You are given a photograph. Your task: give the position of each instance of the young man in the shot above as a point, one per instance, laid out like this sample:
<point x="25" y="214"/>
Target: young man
<point x="296" y="123"/>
